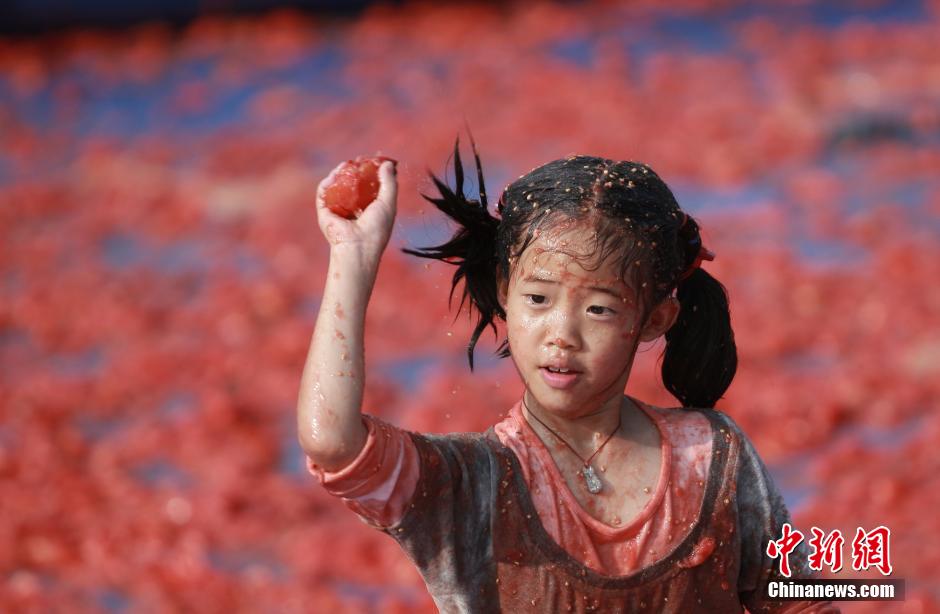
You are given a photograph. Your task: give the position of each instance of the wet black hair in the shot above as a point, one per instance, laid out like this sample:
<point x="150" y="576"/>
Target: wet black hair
<point x="636" y="219"/>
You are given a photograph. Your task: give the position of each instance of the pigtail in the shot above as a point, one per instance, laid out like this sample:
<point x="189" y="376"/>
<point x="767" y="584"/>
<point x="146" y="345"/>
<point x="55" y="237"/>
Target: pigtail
<point x="472" y="249"/>
<point x="700" y="358"/>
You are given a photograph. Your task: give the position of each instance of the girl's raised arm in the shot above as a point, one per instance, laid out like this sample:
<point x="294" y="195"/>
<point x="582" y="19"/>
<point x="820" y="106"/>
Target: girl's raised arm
<point x="329" y="422"/>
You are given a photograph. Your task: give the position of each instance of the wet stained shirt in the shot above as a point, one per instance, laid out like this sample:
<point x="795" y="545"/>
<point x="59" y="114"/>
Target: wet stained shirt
<point x="638" y="542"/>
<point x="492" y="525"/>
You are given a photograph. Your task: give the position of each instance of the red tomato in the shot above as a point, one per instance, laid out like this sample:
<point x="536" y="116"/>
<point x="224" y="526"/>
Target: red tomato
<point x="355" y="186"/>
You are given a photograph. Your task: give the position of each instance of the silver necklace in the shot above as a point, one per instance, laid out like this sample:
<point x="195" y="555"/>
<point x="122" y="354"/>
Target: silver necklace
<point x="591" y="480"/>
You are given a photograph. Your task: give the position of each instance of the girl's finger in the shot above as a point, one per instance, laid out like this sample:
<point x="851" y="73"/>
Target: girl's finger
<point x="388" y="184"/>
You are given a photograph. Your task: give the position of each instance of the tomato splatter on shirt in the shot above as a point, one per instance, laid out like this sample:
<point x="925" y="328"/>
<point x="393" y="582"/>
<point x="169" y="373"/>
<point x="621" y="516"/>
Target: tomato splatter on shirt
<point x="495" y="507"/>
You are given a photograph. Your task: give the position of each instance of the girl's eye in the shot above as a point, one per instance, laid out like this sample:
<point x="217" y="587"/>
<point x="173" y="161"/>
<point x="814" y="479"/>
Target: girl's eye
<point x="531" y="299"/>
<point x="602" y="310"/>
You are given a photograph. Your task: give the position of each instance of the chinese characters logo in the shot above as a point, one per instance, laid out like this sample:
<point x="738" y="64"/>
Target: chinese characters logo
<point x="869" y="549"/>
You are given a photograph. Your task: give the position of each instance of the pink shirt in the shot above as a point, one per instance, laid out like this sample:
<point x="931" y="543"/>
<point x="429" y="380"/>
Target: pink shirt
<point x="379" y="483"/>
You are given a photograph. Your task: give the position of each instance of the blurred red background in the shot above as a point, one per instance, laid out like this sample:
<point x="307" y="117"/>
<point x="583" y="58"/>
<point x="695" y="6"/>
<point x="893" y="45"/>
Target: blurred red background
<point x="161" y="266"/>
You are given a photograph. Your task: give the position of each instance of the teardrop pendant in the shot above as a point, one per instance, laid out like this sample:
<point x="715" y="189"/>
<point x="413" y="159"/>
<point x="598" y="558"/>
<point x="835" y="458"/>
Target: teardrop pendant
<point x="593" y="482"/>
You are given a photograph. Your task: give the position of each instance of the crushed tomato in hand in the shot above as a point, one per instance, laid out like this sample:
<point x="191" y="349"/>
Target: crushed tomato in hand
<point x="355" y="186"/>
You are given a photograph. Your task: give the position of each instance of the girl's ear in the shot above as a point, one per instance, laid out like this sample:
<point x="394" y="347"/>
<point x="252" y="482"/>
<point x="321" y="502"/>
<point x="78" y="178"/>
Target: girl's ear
<point x="661" y="319"/>
<point x="502" y="291"/>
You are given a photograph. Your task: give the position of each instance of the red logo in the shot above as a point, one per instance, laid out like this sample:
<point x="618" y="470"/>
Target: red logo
<point x="784" y="546"/>
<point x="872" y="549"/>
<point x="826" y="549"/>
<point x="869" y="549"/>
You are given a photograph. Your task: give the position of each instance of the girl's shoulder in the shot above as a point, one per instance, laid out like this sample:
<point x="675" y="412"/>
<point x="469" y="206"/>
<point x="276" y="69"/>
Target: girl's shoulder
<point x="728" y="440"/>
<point x="705" y="436"/>
<point x="695" y="422"/>
<point x="684" y="425"/>
<point x="460" y="451"/>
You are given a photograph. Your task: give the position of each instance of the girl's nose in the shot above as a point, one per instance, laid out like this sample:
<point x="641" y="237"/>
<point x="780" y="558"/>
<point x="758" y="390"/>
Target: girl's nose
<point x="562" y="333"/>
<point x="561" y="342"/>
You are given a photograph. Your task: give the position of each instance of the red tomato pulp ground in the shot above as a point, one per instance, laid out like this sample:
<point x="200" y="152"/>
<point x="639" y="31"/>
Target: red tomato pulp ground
<point x="161" y="269"/>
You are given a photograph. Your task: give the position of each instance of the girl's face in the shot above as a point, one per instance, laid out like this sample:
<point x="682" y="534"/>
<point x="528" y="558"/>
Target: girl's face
<point x="559" y="314"/>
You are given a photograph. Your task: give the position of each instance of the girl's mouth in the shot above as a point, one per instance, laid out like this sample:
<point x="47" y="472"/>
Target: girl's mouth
<point x="561" y="381"/>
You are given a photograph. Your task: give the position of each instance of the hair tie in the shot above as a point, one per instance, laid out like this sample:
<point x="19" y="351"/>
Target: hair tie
<point x="703" y="252"/>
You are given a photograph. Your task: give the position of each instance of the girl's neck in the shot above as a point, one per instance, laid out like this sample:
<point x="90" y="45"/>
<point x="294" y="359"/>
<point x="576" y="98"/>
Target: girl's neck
<point x="584" y="432"/>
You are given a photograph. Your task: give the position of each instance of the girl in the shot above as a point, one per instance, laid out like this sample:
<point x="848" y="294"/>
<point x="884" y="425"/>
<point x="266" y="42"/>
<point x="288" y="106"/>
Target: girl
<point x="582" y="498"/>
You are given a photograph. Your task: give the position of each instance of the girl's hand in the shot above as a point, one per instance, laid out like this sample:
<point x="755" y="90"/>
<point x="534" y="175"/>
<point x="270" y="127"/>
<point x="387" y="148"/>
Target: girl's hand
<point x="369" y="233"/>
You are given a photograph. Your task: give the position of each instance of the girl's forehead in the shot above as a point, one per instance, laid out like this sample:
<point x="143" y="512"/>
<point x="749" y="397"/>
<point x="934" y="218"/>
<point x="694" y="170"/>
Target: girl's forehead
<point x="566" y="268"/>
<point x="568" y="256"/>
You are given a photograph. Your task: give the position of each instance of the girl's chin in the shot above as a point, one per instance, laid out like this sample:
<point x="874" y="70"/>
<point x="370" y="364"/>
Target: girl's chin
<point x="555" y="400"/>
